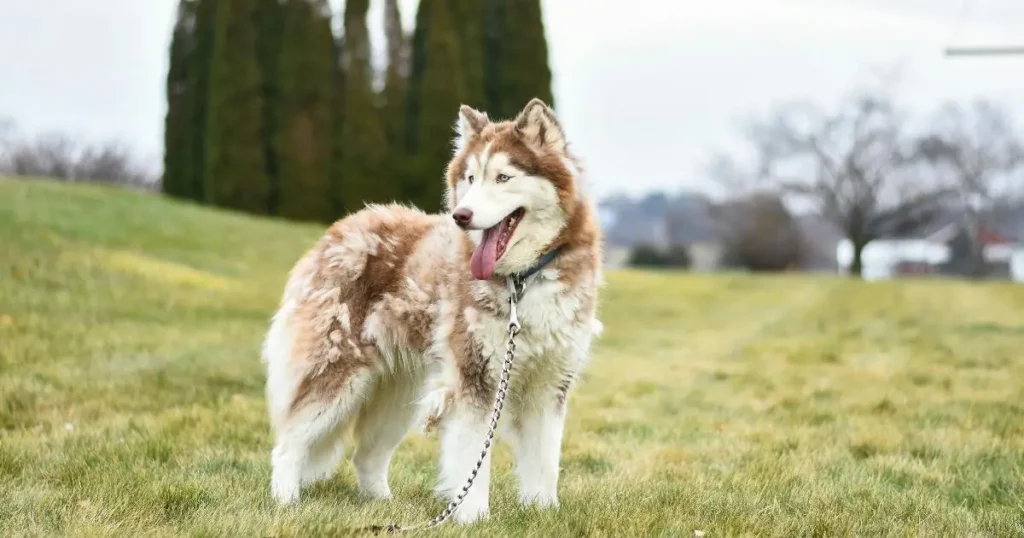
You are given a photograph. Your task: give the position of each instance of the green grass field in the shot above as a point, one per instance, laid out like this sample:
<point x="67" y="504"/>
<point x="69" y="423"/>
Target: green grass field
<point x="131" y="394"/>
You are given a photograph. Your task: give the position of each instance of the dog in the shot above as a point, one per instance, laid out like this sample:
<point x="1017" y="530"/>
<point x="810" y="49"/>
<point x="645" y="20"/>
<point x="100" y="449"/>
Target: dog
<point x="397" y="318"/>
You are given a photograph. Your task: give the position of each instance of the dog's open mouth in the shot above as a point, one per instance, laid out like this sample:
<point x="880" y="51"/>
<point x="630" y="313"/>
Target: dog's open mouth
<point x="493" y="245"/>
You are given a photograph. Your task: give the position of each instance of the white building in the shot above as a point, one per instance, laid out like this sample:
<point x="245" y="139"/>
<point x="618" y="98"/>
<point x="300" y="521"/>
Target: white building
<point x="882" y="257"/>
<point x="886" y="258"/>
<point x="1017" y="266"/>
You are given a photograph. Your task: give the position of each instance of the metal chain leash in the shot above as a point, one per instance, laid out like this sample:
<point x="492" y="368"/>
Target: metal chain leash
<point x="515" y="287"/>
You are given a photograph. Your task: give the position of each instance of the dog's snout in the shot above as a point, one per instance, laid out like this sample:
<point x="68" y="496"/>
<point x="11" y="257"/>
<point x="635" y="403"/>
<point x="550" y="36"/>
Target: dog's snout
<point x="463" y="216"/>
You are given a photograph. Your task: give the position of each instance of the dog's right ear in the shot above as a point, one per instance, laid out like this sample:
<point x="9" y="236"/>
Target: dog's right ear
<point x="470" y="123"/>
<point x="538" y="125"/>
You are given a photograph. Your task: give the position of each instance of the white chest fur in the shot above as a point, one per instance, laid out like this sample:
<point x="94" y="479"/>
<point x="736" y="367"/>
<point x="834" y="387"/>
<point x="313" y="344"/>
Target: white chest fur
<point x="552" y="346"/>
<point x="555" y="337"/>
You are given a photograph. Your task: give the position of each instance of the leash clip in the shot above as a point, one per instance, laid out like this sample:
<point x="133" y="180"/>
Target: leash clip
<point x="515" y="291"/>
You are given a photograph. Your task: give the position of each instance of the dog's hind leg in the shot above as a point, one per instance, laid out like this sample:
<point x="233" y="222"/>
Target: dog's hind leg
<point x="308" y="444"/>
<point x="324" y="457"/>
<point x="381" y="425"/>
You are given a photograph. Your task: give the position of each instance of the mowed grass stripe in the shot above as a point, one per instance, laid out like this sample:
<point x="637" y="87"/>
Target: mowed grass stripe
<point x="131" y="394"/>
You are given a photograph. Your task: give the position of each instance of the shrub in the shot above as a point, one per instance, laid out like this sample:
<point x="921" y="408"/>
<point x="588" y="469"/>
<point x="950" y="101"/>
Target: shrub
<point x="646" y="255"/>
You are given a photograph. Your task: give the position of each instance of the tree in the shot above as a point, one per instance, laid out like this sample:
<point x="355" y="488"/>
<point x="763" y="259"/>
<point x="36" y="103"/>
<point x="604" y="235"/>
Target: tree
<point x="436" y="90"/>
<point x="270" y="22"/>
<point x="516" y="56"/>
<point x="978" y="150"/>
<point x="187" y="99"/>
<point x="397" y="75"/>
<point x="112" y="163"/>
<point x="177" y="147"/>
<point x="851" y="165"/>
<point x="235" y="173"/>
<point x="302" y="112"/>
<point x="363" y="134"/>
<point x="197" y="99"/>
<point x="393" y="98"/>
<point x="336" y="180"/>
<point x="51" y="155"/>
<point x="648" y="255"/>
<point x="472" y="57"/>
<point x="759" y="233"/>
<point x="57" y="156"/>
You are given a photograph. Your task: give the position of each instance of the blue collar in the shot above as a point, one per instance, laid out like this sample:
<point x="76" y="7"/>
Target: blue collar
<point x="520" y="277"/>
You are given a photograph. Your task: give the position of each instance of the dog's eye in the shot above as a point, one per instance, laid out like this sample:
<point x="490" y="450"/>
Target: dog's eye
<point x="503" y="178"/>
<point x="470" y="179"/>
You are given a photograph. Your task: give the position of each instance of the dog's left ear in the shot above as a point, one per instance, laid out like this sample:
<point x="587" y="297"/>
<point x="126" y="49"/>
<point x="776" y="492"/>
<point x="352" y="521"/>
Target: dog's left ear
<point x="539" y="126"/>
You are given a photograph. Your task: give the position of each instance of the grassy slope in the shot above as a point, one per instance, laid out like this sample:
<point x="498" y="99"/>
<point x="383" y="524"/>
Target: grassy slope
<point x="131" y="394"/>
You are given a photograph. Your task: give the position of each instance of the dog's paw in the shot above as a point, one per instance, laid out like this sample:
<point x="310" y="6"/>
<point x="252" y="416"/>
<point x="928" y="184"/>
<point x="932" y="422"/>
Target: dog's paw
<point x="543" y="502"/>
<point x="377" y="492"/>
<point x="468" y="514"/>
<point x="284" y="494"/>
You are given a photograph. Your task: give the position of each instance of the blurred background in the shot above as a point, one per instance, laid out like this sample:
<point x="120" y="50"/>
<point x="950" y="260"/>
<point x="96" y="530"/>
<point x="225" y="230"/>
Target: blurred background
<point x="164" y="163"/>
<point x="860" y="137"/>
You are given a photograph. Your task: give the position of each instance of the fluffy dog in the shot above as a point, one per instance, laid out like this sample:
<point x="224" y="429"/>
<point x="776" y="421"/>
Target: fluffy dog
<point x="396" y="317"/>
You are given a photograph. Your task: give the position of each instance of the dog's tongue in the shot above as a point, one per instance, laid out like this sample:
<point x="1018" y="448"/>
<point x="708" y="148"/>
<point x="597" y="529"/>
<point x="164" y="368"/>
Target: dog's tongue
<point x="485" y="257"/>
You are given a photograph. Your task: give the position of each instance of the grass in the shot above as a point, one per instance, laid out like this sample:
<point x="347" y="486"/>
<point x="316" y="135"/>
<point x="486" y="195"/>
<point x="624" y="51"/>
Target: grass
<point x="131" y="394"/>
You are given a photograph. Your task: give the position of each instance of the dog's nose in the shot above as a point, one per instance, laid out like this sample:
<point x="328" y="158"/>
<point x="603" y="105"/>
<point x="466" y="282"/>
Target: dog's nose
<point x="462" y="216"/>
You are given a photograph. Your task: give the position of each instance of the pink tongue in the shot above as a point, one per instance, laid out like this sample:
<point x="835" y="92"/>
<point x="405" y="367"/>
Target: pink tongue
<point x="485" y="256"/>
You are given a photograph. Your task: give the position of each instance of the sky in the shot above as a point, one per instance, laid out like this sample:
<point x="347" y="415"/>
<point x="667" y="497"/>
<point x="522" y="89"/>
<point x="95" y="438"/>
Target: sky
<point x="647" y="90"/>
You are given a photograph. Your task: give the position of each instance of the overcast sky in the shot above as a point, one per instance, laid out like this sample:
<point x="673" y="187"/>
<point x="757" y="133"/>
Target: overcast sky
<point x="647" y="89"/>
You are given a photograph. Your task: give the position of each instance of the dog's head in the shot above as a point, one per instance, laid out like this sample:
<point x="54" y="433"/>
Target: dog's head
<point x="511" y="186"/>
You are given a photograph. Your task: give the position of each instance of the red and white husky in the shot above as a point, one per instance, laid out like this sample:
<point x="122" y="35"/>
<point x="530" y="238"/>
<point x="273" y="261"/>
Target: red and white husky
<point x="397" y="318"/>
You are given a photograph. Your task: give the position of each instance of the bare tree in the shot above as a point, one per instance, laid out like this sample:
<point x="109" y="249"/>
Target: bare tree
<point x="978" y="149"/>
<point x="852" y="166"/>
<point x="51" y="155"/>
<point x="111" y="163"/>
<point x="57" y="156"/>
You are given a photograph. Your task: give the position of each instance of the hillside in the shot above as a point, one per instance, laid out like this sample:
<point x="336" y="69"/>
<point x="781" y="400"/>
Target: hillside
<point x="131" y="394"/>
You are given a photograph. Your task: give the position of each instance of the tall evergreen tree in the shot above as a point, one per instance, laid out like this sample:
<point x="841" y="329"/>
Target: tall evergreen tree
<point x="412" y="185"/>
<point x="393" y="97"/>
<point x="176" y="122"/>
<point x="303" y="112"/>
<point x="235" y="173"/>
<point x="436" y="90"/>
<point x="517" y="56"/>
<point x="470" y="27"/>
<point x="198" y="97"/>
<point x="270" y="24"/>
<point x="363" y="133"/>
<point x="336" y="183"/>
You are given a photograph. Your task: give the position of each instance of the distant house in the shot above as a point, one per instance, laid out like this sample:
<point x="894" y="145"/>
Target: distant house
<point x="706" y="256"/>
<point x="702" y="226"/>
<point x="939" y="251"/>
<point x="660" y="221"/>
<point x="627" y="222"/>
<point x="887" y="258"/>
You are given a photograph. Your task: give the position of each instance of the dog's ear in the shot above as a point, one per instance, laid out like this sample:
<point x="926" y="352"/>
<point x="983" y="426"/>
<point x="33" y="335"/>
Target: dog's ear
<point x="469" y="124"/>
<point x="539" y="126"/>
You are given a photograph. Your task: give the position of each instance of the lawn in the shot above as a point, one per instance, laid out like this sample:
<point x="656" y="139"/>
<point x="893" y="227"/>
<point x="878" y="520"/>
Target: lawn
<point x="131" y="394"/>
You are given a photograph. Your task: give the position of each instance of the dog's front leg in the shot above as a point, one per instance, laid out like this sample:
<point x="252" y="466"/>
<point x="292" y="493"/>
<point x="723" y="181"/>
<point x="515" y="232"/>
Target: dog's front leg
<point x="538" y="442"/>
<point x="463" y="433"/>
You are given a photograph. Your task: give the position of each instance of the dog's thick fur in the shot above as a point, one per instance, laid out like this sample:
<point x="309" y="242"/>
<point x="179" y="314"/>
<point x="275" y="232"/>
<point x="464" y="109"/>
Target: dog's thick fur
<point x="382" y="326"/>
